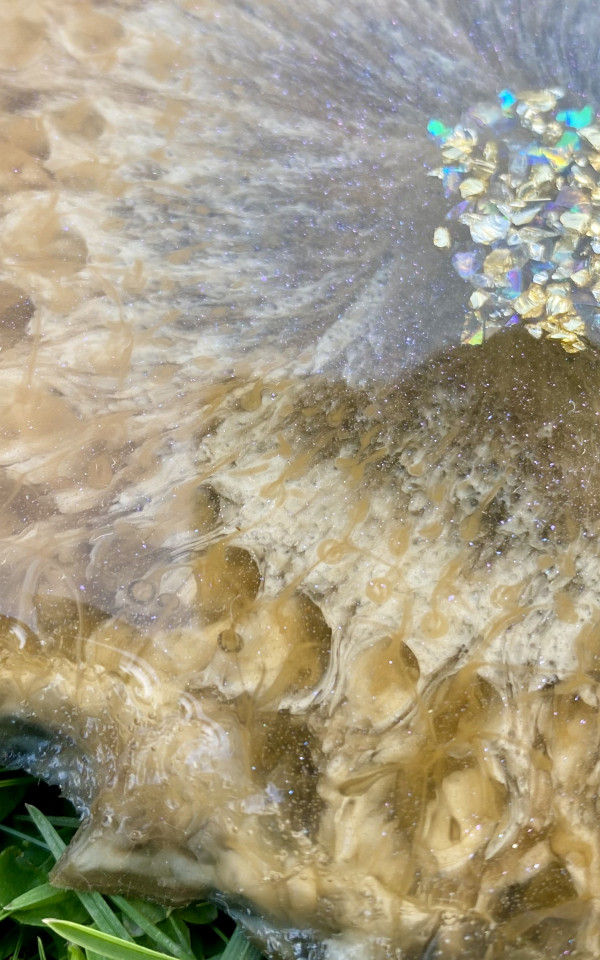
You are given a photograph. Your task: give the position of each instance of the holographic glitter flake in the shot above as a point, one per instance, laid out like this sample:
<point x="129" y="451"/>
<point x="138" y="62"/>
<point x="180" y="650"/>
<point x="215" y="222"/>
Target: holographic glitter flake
<point x="439" y="130"/>
<point x="576" y="118"/>
<point x="507" y="99"/>
<point x="523" y="176"/>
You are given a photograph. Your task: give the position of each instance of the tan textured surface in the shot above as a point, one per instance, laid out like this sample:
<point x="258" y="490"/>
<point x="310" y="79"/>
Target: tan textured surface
<point x="309" y="628"/>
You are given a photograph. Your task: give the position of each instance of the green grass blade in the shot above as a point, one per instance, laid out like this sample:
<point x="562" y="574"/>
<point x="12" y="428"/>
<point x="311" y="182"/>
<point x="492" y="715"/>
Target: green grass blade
<point x="41" y="950"/>
<point x="75" y="953"/>
<point x="220" y="934"/>
<point x="161" y="939"/>
<point x="43" y="893"/>
<point x="239" y="948"/>
<point x="72" y="822"/>
<point x="55" y="844"/>
<point x="103" y="943"/>
<point x="17" y="949"/>
<point x="23" y="836"/>
<point x="103" y="916"/>
<point x="180" y="932"/>
<point x="96" y="905"/>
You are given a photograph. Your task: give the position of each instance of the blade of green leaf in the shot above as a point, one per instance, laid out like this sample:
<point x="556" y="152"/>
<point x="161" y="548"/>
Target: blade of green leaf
<point x="161" y="939"/>
<point x="73" y="822"/>
<point x="17" y="949"/>
<point x="103" y="916"/>
<point x="41" y="950"/>
<point x="89" y="954"/>
<point x="103" y="943"/>
<point x="43" y="893"/>
<point x="180" y="931"/>
<point x="7" y="942"/>
<point x="74" y="952"/>
<point x="239" y="948"/>
<point x="23" y="836"/>
<point x="96" y="906"/>
<point x="197" y="913"/>
<point x="219" y="933"/>
<point x="18" y="873"/>
<point x="55" y="844"/>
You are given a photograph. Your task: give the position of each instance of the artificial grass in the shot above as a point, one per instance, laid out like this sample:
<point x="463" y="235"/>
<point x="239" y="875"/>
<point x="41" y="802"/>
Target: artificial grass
<point x="35" y="826"/>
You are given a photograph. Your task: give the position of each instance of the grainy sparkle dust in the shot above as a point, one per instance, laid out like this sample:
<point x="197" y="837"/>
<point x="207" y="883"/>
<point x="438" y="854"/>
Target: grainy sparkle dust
<point x="525" y="228"/>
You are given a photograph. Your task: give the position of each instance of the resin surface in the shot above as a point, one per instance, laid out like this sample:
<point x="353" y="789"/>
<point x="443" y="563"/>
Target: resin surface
<point x="299" y="596"/>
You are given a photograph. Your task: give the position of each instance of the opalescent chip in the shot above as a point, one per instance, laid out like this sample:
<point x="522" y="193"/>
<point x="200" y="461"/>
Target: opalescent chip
<point x="576" y="118"/>
<point x="471" y="187"/>
<point x="532" y="102"/>
<point x="570" y="197"/>
<point x="488" y="229"/>
<point x="558" y="159"/>
<point x="581" y="277"/>
<point x="529" y="198"/>
<point x="466" y="263"/>
<point x="592" y="135"/>
<point x="455" y="213"/>
<point x="498" y="262"/>
<point x="441" y="237"/>
<point x="568" y="141"/>
<point x="532" y="302"/>
<point x="539" y="246"/>
<point x="573" y="325"/>
<point x="451" y="179"/>
<point x="534" y="330"/>
<point x="459" y="168"/>
<point x="488" y="115"/>
<point x="514" y="284"/>
<point x="575" y="220"/>
<point x="542" y="175"/>
<point x="556" y="305"/>
<point x="517" y="164"/>
<point x="481" y="281"/>
<point x="478" y="299"/>
<point x="519" y="217"/>
<point x="534" y="154"/>
<point x="507" y="99"/>
<point x="438" y="130"/>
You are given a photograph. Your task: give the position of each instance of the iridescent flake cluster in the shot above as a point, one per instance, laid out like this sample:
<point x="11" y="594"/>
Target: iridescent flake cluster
<point x="527" y="176"/>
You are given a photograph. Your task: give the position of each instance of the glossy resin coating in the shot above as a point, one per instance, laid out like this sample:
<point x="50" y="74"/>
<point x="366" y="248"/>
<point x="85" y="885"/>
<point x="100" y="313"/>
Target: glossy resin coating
<point x="299" y="596"/>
